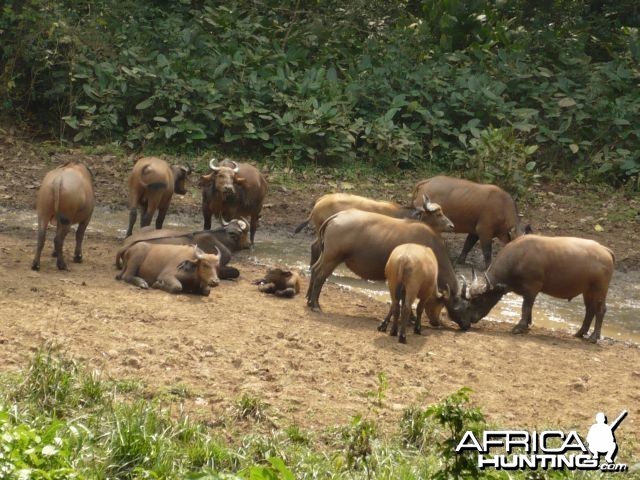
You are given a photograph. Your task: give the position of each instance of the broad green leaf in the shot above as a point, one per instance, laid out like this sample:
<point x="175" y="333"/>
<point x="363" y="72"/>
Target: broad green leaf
<point x="145" y="104"/>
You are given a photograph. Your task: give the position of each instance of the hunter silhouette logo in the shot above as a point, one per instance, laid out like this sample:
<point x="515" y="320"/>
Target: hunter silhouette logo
<point x="553" y="449"/>
<point x="601" y="439"/>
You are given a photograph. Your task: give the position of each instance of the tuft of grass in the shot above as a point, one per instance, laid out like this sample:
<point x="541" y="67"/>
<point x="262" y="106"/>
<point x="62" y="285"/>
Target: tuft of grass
<point x="249" y="406"/>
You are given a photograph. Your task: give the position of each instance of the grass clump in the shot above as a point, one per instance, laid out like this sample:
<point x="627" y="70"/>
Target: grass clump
<point x="249" y="406"/>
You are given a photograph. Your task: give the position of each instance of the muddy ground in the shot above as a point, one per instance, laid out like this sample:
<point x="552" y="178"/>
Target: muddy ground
<point x="314" y="369"/>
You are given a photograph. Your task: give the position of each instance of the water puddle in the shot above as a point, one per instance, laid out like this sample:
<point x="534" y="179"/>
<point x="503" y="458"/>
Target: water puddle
<point x="622" y="321"/>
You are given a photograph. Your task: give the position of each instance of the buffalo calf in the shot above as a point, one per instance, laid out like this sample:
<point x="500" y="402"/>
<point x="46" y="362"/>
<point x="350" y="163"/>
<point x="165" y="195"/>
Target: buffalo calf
<point x="280" y="282"/>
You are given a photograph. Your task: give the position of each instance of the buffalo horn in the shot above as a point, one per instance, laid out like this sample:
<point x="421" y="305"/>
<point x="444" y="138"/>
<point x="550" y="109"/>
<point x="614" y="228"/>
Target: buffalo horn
<point x="235" y="166"/>
<point x="217" y="251"/>
<point x="213" y="166"/>
<point x="224" y="223"/>
<point x="486" y="277"/>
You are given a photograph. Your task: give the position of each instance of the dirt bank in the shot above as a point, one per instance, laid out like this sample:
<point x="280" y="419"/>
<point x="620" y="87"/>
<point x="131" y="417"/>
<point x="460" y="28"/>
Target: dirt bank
<point x="315" y="369"/>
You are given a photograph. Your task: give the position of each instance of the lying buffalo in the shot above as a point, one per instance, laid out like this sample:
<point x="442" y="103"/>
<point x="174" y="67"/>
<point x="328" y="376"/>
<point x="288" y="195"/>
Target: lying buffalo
<point x="427" y="212"/>
<point x="332" y="203"/>
<point x="280" y="282"/>
<point x="482" y="211"/>
<point x="152" y="183"/>
<point x="412" y="273"/>
<point x="233" y="190"/>
<point x="363" y="241"/>
<point x="172" y="268"/>
<point x="65" y="198"/>
<point x="563" y="267"/>
<point x="229" y="238"/>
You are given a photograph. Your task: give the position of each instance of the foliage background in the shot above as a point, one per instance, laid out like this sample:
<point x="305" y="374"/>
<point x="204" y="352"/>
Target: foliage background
<point x="499" y="89"/>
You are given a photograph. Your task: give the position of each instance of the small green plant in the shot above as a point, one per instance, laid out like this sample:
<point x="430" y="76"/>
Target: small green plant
<point x="358" y="440"/>
<point x="379" y="394"/>
<point x="416" y="428"/>
<point x="250" y="406"/>
<point x="455" y="417"/>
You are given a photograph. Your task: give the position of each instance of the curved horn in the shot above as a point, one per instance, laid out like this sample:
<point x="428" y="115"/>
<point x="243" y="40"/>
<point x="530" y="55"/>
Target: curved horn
<point x="464" y="291"/>
<point x="486" y="277"/>
<point x="236" y="167"/>
<point x="213" y="166"/>
<point x="197" y="252"/>
<point x="246" y="222"/>
<point x="425" y="200"/>
<point x="217" y="254"/>
<point x="474" y="277"/>
<point x="224" y="223"/>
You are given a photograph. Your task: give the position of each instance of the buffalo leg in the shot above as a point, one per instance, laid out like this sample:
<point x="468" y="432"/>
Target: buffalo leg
<point x="417" y="328"/>
<point x="527" y="306"/>
<point x="589" y="313"/>
<point x="253" y="227"/>
<point x="267" y="287"/>
<point x="319" y="274"/>
<point x="285" y="293"/>
<point x="42" y="233"/>
<point x="385" y="323"/>
<point x="77" y="255"/>
<point x="600" y="311"/>
<point x="404" y="319"/>
<point x="468" y="245"/>
<point x="162" y="212"/>
<point x="206" y="216"/>
<point x="315" y="252"/>
<point x="486" y="252"/>
<point x="133" y="215"/>
<point x="168" y="284"/>
<point x="146" y="217"/>
<point x="58" y="242"/>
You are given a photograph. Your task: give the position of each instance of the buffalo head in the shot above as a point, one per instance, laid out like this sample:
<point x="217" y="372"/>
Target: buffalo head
<point x="238" y="231"/>
<point x="431" y="214"/>
<point x="223" y="178"/>
<point x="482" y="296"/>
<point x="180" y="175"/>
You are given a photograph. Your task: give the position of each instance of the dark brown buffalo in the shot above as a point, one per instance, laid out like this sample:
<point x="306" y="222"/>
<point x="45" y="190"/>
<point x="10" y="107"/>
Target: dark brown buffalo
<point x="563" y="267"/>
<point x="65" y="198"/>
<point x="233" y="190"/>
<point x="280" y="282"/>
<point x="229" y="238"/>
<point x="482" y="211"/>
<point x="172" y="268"/>
<point x="363" y="241"/>
<point x="152" y="183"/>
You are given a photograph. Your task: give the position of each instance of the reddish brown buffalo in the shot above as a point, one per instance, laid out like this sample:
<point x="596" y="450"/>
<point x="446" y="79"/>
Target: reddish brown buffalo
<point x="233" y="190"/>
<point x="482" y="211"/>
<point x="65" y="198"/>
<point x="152" y="183"/>
<point x="172" y="268"/>
<point x="563" y="267"/>
<point x="280" y="282"/>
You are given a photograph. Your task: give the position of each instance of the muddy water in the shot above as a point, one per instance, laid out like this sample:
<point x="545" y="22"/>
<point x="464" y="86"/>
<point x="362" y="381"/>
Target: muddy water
<point x="622" y="321"/>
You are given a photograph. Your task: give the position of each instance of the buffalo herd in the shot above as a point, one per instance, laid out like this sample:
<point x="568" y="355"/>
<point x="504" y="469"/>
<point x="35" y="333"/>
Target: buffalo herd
<point x="377" y="240"/>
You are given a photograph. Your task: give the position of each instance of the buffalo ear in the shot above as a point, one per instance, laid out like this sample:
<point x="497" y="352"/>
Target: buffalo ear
<point x="188" y="266"/>
<point x="205" y="180"/>
<point x="240" y="180"/>
<point x="528" y="229"/>
<point x="416" y="214"/>
<point x="287" y="274"/>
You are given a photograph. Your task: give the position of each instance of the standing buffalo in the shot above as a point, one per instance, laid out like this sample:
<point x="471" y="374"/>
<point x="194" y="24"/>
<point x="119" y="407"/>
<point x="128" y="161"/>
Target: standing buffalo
<point x="172" y="268"/>
<point x="481" y="211"/>
<point x="233" y="190"/>
<point x="428" y="212"/>
<point x="64" y="199"/>
<point x="280" y="282"/>
<point x="412" y="272"/>
<point x="229" y="238"/>
<point x="364" y="241"/>
<point x="563" y="267"/>
<point x="151" y="185"/>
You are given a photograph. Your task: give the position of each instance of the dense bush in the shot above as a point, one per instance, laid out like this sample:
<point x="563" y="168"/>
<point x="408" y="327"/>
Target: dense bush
<point x="390" y="83"/>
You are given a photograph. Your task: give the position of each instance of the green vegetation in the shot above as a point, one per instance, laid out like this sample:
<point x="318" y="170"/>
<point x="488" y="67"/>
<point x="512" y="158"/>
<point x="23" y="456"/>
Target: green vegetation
<point x="501" y="90"/>
<point x="55" y="425"/>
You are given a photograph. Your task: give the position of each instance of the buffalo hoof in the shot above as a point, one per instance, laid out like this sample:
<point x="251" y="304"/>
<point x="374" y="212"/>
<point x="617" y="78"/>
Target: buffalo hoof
<point x="417" y="330"/>
<point x="592" y="339"/>
<point x="62" y="266"/>
<point x="382" y="327"/>
<point x="393" y="332"/>
<point x="402" y="339"/>
<point x="519" y="329"/>
<point x="54" y="254"/>
<point x="35" y="266"/>
<point x="77" y="259"/>
<point x="435" y="323"/>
